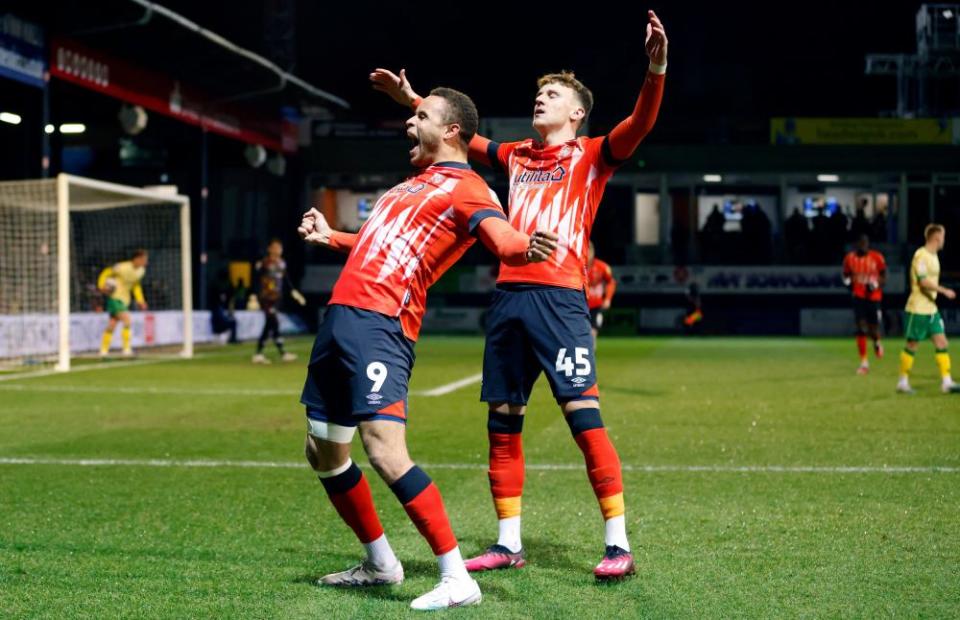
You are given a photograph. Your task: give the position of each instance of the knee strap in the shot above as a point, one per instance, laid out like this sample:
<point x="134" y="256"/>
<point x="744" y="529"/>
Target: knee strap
<point x="329" y="431"/>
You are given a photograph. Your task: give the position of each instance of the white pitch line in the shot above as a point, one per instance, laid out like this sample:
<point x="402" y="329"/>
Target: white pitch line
<point x="99" y="366"/>
<point x="451" y="387"/>
<point x="750" y="469"/>
<point x="47" y="373"/>
<point x="91" y="389"/>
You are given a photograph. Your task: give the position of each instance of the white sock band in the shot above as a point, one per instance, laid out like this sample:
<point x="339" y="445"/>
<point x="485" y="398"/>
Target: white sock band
<point x="509" y="533"/>
<point x="615" y="532"/>
<point x="337" y="471"/>
<point x="451" y="564"/>
<point x="380" y="553"/>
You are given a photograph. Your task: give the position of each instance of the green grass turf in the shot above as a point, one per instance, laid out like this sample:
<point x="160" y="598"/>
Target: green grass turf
<point x="177" y="542"/>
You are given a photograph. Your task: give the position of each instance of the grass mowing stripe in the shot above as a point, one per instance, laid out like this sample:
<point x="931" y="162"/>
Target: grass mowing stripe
<point x="775" y="469"/>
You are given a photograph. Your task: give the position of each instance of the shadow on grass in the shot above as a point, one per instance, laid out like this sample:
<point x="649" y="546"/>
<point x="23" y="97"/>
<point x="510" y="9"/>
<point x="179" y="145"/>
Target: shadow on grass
<point x="411" y="568"/>
<point x="632" y="391"/>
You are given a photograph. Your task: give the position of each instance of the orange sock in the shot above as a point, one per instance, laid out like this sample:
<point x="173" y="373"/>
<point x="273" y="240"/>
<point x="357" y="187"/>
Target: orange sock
<point x="421" y="499"/>
<point x="603" y="463"/>
<point x="506" y="463"/>
<point x="862" y="346"/>
<point x="350" y="494"/>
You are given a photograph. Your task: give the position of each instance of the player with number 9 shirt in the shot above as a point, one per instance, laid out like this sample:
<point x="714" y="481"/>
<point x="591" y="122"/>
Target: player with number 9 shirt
<point x="363" y="354"/>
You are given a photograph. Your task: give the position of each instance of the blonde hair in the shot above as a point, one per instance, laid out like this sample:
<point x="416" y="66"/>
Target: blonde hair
<point x="568" y="79"/>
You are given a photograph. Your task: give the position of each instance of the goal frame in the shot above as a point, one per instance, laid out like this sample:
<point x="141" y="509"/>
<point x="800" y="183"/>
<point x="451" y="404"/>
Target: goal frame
<point x="64" y="183"/>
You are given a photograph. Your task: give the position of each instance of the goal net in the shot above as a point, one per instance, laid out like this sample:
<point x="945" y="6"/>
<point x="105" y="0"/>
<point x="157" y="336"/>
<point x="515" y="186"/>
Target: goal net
<point x="56" y="237"/>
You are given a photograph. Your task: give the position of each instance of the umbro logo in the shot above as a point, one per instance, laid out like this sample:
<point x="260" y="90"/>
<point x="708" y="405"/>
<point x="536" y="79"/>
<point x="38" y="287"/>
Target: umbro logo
<point x="373" y="398"/>
<point x="578" y="380"/>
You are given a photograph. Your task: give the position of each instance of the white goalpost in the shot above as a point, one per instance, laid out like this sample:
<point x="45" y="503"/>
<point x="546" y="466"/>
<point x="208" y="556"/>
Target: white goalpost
<point x="56" y="235"/>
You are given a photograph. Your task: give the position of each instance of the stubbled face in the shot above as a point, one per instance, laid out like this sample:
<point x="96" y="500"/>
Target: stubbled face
<point x="555" y="105"/>
<point x="427" y="130"/>
<point x="275" y="250"/>
<point x="140" y="261"/>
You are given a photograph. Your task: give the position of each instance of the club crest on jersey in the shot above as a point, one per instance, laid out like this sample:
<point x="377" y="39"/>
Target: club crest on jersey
<point x="530" y="177"/>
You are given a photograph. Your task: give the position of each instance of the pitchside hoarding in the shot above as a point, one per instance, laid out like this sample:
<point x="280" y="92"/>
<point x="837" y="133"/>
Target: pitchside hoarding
<point x="669" y="280"/>
<point x="37" y="334"/>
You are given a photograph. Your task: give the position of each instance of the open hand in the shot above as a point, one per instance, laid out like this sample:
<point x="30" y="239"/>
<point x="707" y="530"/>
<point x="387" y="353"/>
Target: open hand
<point x="395" y="86"/>
<point x="656" y="42"/>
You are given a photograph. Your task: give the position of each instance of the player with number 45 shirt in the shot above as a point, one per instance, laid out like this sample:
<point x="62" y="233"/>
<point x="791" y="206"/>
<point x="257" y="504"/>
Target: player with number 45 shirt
<point x="539" y="323"/>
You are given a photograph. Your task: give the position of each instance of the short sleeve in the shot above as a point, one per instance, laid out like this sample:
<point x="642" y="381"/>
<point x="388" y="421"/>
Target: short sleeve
<point x="473" y="202"/>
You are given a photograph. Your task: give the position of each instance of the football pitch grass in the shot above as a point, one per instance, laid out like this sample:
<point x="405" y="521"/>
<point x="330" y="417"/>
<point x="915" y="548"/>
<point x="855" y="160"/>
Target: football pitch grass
<point x="763" y="479"/>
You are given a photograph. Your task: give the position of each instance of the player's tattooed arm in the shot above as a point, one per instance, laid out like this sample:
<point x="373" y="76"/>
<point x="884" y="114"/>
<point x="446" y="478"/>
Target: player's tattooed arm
<point x="315" y="230"/>
<point x="396" y="86"/>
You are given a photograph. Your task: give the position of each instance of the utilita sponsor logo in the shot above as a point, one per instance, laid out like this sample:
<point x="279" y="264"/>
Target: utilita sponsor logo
<point x="83" y="67"/>
<point x="540" y="176"/>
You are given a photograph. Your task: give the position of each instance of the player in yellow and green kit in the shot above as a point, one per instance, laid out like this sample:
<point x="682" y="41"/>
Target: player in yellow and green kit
<point x="119" y="282"/>
<point x="922" y="319"/>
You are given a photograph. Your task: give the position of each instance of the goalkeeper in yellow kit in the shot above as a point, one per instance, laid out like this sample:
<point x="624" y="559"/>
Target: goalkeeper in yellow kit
<point x="118" y="282"/>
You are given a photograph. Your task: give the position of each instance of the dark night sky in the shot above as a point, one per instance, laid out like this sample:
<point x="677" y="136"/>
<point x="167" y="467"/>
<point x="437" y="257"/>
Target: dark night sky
<point x="740" y="60"/>
<point x="732" y="64"/>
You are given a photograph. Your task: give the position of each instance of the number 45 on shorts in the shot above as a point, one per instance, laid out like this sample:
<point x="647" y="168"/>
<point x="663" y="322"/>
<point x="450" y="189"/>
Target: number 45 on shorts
<point x="579" y="363"/>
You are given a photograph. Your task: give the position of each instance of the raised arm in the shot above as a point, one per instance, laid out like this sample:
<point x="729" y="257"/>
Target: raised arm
<point x="623" y="140"/>
<point x="315" y="230"/>
<point x="395" y="86"/>
<point x="398" y="87"/>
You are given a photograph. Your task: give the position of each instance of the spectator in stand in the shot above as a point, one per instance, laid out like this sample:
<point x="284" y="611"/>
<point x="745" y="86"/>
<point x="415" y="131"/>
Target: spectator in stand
<point x="796" y="235"/>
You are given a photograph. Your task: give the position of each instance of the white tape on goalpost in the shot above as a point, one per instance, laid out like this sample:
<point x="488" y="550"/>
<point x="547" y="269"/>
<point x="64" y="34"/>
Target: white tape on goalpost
<point x="56" y="235"/>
